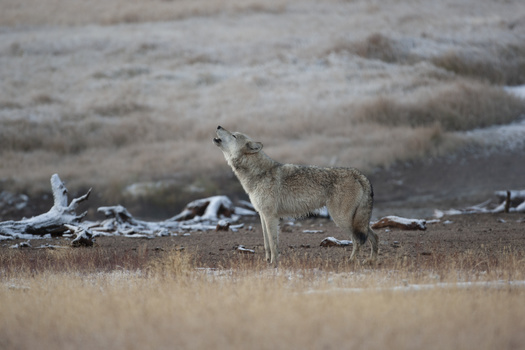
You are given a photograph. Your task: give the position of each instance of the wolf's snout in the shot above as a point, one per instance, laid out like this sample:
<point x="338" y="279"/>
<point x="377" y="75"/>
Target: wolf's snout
<point x="217" y="140"/>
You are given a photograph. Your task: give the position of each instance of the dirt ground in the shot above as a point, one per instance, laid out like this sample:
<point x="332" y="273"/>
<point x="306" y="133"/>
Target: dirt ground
<point x="481" y="236"/>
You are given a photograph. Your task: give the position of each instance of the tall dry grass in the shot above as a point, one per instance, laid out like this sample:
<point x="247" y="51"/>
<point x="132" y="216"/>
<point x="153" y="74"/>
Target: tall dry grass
<point x="498" y="64"/>
<point x="455" y="107"/>
<point x="169" y="303"/>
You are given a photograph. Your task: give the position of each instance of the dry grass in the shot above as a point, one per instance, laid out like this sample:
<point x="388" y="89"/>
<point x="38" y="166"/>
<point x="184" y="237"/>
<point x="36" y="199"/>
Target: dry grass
<point x="167" y="303"/>
<point x="453" y="107"/>
<point x="497" y="64"/>
<point x="112" y="93"/>
<point x="376" y="46"/>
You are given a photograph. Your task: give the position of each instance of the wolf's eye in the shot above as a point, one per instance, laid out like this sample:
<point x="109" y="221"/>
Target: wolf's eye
<point x="234" y="136"/>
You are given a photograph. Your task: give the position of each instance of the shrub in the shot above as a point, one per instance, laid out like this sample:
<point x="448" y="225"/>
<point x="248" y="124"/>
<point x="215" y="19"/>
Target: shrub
<point x="457" y="107"/>
<point x="504" y="65"/>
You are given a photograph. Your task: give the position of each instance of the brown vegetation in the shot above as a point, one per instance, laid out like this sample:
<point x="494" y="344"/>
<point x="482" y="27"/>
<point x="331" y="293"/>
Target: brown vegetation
<point x="453" y="107"/>
<point x="448" y="287"/>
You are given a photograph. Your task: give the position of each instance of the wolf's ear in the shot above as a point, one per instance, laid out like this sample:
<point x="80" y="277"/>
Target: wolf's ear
<point x="253" y="147"/>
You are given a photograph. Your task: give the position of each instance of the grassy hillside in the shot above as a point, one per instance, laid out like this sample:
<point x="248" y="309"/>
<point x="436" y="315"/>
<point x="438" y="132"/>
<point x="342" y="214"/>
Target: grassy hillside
<point x="116" y="93"/>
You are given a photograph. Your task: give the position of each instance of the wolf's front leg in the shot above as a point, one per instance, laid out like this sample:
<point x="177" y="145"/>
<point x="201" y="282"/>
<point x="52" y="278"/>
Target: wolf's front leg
<point x="272" y="232"/>
<point x="266" y="241"/>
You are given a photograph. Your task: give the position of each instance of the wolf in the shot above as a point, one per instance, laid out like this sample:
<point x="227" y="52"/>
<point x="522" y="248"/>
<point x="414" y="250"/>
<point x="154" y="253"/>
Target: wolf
<point x="286" y="190"/>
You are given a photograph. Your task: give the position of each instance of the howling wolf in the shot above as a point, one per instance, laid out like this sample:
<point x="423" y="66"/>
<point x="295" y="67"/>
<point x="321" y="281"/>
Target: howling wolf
<point x="286" y="190"/>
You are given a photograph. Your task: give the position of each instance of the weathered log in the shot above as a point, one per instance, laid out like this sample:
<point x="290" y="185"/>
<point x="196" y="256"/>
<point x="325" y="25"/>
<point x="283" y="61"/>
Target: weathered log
<point x="84" y="236"/>
<point x="243" y="250"/>
<point x="119" y="221"/>
<point x="54" y="221"/>
<point x="207" y="209"/>
<point x="401" y="223"/>
<point x="516" y="196"/>
<point x="507" y="203"/>
<point x="333" y="242"/>
<point x="512" y="201"/>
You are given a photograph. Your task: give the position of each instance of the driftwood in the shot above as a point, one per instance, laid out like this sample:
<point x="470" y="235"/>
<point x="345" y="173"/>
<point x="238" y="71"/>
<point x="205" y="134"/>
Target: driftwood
<point x="401" y="223"/>
<point x="333" y="242"/>
<point x="209" y="209"/>
<point x="120" y="222"/>
<point x="84" y="236"/>
<point x="213" y="213"/>
<point x="243" y="250"/>
<point x="507" y="202"/>
<point x="511" y="201"/>
<point x="54" y="222"/>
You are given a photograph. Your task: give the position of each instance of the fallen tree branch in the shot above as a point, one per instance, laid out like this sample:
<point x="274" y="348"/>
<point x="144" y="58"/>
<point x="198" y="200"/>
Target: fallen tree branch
<point x="53" y="222"/>
<point x="84" y="236"/>
<point x="512" y="201"/>
<point x="333" y="242"/>
<point x="213" y="213"/>
<point x="401" y="223"/>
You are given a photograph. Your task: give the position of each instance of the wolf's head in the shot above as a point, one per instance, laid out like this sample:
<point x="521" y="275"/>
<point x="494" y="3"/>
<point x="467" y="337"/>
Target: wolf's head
<point x="234" y="145"/>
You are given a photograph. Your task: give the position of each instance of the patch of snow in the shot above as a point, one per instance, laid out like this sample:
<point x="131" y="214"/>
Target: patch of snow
<point x="138" y="236"/>
<point x="518" y="91"/>
<point x="423" y="287"/>
<point x="51" y="246"/>
<point x="313" y="231"/>
<point x="21" y="245"/>
<point x="499" y="137"/>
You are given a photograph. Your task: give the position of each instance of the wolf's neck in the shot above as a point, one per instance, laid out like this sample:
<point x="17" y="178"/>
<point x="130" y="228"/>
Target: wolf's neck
<point x="252" y="165"/>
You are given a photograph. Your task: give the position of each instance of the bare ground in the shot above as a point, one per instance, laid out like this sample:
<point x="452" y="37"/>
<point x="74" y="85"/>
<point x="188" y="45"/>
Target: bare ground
<point x="456" y="181"/>
<point x="474" y="241"/>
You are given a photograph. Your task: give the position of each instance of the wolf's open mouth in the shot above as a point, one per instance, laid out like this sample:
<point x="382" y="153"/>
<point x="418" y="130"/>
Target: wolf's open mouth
<point x="217" y="141"/>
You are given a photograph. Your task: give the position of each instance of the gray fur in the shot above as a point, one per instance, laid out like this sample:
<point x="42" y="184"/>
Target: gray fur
<point x="286" y="190"/>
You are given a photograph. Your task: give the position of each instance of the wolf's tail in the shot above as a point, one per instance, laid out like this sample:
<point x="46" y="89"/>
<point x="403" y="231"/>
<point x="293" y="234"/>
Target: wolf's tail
<point x="363" y="212"/>
<point x="361" y="237"/>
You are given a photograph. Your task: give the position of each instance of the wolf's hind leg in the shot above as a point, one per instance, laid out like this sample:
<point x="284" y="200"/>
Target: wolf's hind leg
<point x="372" y="236"/>
<point x="356" y="244"/>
